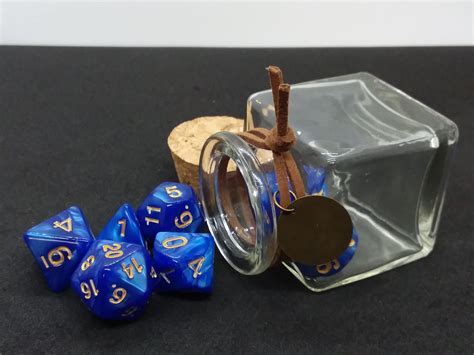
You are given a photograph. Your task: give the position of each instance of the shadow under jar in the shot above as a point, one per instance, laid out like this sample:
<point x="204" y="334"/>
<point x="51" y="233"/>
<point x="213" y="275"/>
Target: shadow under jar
<point x="380" y="153"/>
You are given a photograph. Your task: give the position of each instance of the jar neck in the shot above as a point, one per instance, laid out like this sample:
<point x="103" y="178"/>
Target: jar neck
<point x="237" y="202"/>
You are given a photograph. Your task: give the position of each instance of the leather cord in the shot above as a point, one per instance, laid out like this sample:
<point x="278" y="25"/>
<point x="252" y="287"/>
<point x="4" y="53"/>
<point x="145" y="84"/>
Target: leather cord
<point x="279" y="140"/>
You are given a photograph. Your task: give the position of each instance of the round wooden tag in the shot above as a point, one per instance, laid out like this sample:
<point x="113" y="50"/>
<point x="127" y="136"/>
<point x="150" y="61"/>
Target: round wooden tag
<point x="317" y="230"/>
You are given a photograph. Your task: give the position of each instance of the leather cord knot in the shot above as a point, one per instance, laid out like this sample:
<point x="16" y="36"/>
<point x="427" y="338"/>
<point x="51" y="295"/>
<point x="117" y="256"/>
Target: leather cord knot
<point x="280" y="144"/>
<point x="279" y="140"/>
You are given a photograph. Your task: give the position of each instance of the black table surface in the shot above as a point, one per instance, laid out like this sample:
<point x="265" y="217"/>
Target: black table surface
<point x="88" y="127"/>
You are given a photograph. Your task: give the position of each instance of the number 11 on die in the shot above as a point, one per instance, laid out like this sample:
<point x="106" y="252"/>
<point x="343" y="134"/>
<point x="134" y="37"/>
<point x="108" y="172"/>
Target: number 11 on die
<point x="150" y="210"/>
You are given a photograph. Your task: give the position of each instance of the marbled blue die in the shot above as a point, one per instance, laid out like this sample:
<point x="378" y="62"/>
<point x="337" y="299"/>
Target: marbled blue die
<point x="115" y="280"/>
<point x="184" y="262"/>
<point x="123" y="227"/>
<point x="315" y="183"/>
<point x="315" y="180"/>
<point x="314" y="177"/>
<point x="334" y="266"/>
<point x="170" y="207"/>
<point x="58" y="245"/>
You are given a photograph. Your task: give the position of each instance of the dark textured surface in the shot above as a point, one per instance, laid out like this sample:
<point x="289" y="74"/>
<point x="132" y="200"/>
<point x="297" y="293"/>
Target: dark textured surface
<point x="89" y="127"/>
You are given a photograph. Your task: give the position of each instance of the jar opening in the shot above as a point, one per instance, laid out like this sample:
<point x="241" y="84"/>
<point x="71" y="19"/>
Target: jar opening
<point x="237" y="202"/>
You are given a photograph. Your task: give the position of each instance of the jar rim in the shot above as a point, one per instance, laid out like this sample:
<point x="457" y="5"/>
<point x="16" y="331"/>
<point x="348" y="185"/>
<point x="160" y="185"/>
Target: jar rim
<point x="256" y="258"/>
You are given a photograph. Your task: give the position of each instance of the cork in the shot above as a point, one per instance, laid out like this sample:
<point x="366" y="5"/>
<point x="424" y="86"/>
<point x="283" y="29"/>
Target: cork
<point x="186" y="140"/>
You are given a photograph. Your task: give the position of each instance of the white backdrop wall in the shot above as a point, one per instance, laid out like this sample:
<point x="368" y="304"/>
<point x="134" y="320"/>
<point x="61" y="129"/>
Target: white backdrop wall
<point x="242" y="23"/>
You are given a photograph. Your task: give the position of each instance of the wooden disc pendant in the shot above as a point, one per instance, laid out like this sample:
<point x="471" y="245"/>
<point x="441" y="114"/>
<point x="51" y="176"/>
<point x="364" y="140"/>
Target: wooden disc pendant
<point x="317" y="230"/>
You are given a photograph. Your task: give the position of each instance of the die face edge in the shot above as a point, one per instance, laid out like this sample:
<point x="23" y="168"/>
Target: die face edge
<point x="174" y="239"/>
<point x="123" y="226"/>
<point x="134" y="269"/>
<point x="171" y="192"/>
<point x="85" y="223"/>
<point x="134" y="224"/>
<point x="188" y="268"/>
<point x="70" y="223"/>
<point x="141" y="284"/>
<point x="111" y="251"/>
<point x="165" y="262"/>
<point x="45" y="237"/>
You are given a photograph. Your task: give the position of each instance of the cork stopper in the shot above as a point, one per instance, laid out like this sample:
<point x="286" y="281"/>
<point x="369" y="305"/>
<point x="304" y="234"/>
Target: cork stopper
<point x="186" y="140"/>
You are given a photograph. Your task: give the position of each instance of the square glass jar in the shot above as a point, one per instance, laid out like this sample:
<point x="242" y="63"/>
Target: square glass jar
<point x="383" y="155"/>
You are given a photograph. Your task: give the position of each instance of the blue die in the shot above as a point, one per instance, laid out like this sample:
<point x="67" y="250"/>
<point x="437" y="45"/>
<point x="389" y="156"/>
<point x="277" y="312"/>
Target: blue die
<point x="115" y="280"/>
<point x="123" y="227"/>
<point x="170" y="207"/>
<point x="315" y="181"/>
<point x="58" y="245"/>
<point x="334" y="266"/>
<point x="184" y="262"/>
<point x="314" y="178"/>
<point x="315" y="185"/>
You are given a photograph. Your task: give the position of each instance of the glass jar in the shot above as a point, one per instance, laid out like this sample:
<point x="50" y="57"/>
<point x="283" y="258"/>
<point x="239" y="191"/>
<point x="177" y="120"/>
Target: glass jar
<point x="380" y="153"/>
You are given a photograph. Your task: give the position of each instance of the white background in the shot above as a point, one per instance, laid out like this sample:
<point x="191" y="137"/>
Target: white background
<point x="242" y="23"/>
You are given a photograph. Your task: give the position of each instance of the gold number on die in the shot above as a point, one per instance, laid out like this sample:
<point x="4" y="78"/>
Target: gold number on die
<point x="196" y="266"/>
<point x="118" y="295"/>
<point x="87" y="290"/>
<point x="149" y="210"/>
<point x="168" y="242"/>
<point x="326" y="267"/>
<point x="185" y="219"/>
<point x="88" y="263"/>
<point x="129" y="269"/>
<point x="112" y="251"/>
<point x="123" y="224"/>
<point x="56" y="256"/>
<point x="65" y="225"/>
<point x="165" y="274"/>
<point x="173" y="191"/>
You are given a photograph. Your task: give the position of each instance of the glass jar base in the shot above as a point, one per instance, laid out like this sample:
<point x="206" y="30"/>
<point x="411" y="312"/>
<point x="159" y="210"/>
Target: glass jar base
<point x="344" y="278"/>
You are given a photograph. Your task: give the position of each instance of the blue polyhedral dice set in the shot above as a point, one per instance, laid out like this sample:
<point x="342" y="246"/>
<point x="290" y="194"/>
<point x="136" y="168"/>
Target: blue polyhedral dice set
<point x="114" y="274"/>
